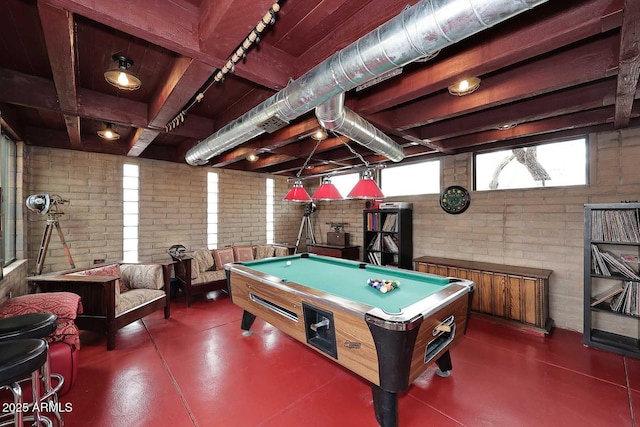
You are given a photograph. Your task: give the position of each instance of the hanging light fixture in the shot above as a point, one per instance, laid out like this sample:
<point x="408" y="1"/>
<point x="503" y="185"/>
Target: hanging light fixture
<point x="366" y="188"/>
<point x="297" y="193"/>
<point x="120" y="76"/>
<point x="108" y="133"/>
<point x="327" y="191"/>
<point x="465" y="87"/>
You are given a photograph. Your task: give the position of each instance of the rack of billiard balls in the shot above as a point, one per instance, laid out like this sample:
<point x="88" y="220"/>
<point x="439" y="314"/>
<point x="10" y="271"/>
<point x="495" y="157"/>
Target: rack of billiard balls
<point x="384" y="286"/>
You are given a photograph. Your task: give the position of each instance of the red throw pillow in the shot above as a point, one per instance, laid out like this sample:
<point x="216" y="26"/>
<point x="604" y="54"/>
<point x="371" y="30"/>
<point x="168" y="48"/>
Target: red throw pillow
<point x="111" y="270"/>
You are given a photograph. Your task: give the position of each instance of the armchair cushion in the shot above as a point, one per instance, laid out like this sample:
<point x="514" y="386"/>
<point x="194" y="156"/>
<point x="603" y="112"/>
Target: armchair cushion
<point x="204" y="259"/>
<point x="243" y="253"/>
<point x="142" y="276"/>
<point x="137" y="298"/>
<point x="264" y="251"/>
<point x="222" y="257"/>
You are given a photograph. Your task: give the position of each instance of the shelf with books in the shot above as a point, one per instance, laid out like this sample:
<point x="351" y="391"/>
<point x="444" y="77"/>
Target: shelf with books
<point x="611" y="274"/>
<point x="388" y="237"/>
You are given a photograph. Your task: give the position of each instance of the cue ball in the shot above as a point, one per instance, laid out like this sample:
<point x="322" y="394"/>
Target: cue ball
<point x="288" y="262"/>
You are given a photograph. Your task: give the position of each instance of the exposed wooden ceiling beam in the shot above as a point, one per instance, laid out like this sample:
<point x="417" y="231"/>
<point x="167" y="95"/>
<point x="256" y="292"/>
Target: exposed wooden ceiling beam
<point x="175" y="26"/>
<point x="566" y="26"/>
<point x="629" y="67"/>
<point x="585" y="63"/>
<point x="59" y="35"/>
<point x="10" y="123"/>
<point x="574" y="99"/>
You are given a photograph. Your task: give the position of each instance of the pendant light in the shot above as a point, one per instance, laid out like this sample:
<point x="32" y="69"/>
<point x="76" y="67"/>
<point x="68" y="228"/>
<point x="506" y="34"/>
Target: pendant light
<point x="327" y="191"/>
<point x="108" y="132"/>
<point x="297" y="193"/>
<point x="120" y="76"/>
<point x="366" y="188"/>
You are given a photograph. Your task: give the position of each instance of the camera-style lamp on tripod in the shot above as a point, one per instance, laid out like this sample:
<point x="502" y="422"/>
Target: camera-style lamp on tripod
<point x="45" y="204"/>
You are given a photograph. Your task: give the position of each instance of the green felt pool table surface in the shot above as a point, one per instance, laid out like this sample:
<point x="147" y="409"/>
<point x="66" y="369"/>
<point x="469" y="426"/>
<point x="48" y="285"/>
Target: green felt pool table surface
<point x="345" y="279"/>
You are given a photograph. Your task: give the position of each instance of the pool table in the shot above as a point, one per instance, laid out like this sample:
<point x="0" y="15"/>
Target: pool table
<point x="326" y="303"/>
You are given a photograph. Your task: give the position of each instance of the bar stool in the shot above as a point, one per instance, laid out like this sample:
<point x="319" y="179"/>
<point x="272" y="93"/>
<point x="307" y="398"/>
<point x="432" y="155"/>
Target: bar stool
<point x="36" y="325"/>
<point x="20" y="360"/>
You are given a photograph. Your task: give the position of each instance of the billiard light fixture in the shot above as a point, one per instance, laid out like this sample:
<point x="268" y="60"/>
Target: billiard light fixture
<point x="298" y="193"/>
<point x="108" y="133"/>
<point x="120" y="76"/>
<point x="366" y="188"/>
<point x="465" y="87"/>
<point x="327" y="191"/>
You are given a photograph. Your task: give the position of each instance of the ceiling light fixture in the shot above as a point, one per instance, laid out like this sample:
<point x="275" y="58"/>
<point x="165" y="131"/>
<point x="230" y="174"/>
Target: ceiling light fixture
<point x="120" y="76"/>
<point x="327" y="191"/>
<point x="465" y="87"/>
<point x="108" y="133"/>
<point x="366" y="188"/>
<point x="507" y="126"/>
<point x="320" y="135"/>
<point x="252" y="157"/>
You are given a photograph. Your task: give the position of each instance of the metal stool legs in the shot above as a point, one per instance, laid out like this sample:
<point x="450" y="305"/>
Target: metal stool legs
<point x="22" y="360"/>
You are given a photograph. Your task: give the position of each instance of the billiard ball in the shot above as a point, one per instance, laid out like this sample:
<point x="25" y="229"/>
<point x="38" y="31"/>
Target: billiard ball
<point x="288" y="263"/>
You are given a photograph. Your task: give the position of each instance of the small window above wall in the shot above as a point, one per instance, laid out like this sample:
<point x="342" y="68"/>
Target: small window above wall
<point x="555" y="164"/>
<point x="412" y="179"/>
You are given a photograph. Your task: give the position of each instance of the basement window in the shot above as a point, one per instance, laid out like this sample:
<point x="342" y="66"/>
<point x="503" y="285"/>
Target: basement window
<point x="212" y="210"/>
<point x="270" y="219"/>
<point x="412" y="179"/>
<point x="554" y="164"/>
<point x="130" y="211"/>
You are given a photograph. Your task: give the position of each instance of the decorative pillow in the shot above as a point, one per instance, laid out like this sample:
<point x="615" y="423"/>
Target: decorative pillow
<point x="205" y="260"/>
<point x="222" y="257"/>
<point x="143" y="276"/>
<point x="65" y="305"/>
<point x="243" y="253"/>
<point x="111" y="270"/>
<point x="264" y="251"/>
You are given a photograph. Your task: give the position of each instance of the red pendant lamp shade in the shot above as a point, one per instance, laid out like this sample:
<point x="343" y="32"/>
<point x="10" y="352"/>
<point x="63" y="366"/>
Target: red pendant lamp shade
<point x="366" y="188"/>
<point x="327" y="191"/>
<point x="297" y="193"/>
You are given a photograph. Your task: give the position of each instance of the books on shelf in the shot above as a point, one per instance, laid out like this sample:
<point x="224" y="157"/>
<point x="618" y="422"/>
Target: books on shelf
<point x="375" y="258"/>
<point x="375" y="244"/>
<point x="603" y="263"/>
<point x="615" y="226"/>
<point x="390" y="244"/>
<point x="627" y="300"/>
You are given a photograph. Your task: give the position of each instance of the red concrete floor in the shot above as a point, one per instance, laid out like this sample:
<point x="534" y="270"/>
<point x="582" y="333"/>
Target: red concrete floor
<point x="196" y="369"/>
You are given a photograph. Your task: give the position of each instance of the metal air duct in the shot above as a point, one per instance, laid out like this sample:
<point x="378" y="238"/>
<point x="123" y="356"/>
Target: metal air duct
<point x="416" y="32"/>
<point x="333" y="115"/>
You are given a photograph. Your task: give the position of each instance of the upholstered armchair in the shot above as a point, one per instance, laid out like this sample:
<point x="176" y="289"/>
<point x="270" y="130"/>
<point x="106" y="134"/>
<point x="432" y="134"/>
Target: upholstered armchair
<point x="112" y="296"/>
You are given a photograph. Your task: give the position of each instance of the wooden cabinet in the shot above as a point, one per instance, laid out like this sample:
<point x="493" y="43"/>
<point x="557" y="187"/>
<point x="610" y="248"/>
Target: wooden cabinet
<point x="517" y="294"/>
<point x="336" y="251"/>
<point x="388" y="237"/>
<point x="611" y="277"/>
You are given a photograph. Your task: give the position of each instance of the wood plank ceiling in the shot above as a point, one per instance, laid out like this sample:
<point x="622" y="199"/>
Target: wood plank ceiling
<point x="563" y="69"/>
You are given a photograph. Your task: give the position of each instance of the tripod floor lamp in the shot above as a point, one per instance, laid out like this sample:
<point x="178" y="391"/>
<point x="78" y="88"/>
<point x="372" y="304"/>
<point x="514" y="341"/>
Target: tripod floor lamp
<point x="45" y="204"/>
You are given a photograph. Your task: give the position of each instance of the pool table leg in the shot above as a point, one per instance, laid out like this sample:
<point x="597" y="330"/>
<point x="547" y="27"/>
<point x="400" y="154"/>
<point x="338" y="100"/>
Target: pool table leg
<point x="444" y="364"/>
<point x="385" y="405"/>
<point x="247" y="321"/>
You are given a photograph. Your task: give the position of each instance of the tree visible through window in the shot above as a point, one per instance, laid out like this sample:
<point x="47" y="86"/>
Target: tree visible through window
<point x="546" y="165"/>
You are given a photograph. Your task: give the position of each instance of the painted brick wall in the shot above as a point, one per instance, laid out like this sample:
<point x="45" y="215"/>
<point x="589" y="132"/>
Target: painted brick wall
<point x="540" y="228"/>
<point x="173" y="205"/>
